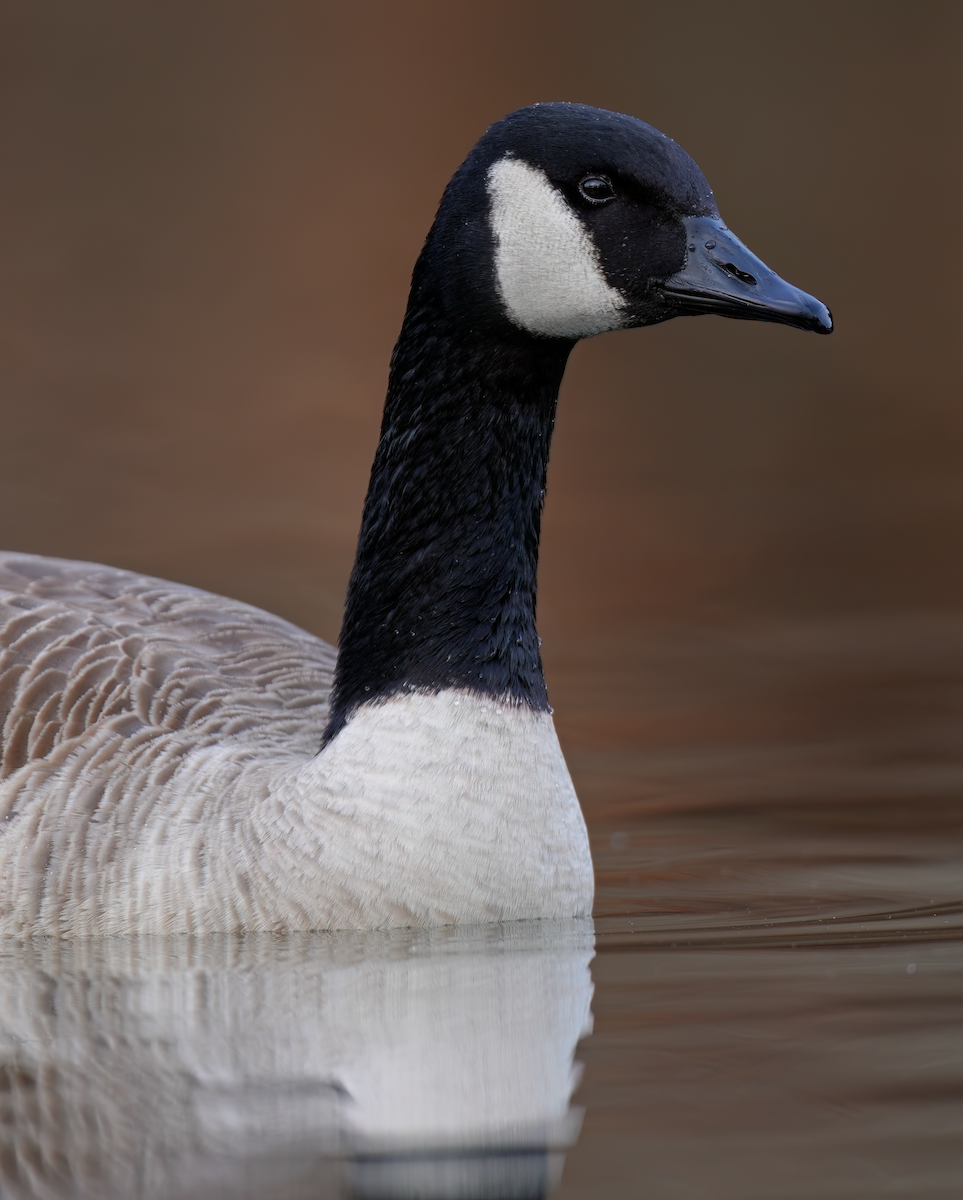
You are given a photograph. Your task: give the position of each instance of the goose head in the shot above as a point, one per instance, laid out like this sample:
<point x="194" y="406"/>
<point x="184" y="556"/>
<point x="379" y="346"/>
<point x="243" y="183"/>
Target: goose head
<point x="564" y="222"/>
<point x="567" y="221"/>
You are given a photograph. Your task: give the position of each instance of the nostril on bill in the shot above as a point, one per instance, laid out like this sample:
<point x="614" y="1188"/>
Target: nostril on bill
<point x="742" y="276"/>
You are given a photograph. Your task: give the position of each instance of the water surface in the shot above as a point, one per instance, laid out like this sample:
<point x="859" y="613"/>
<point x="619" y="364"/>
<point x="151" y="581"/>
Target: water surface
<point x="779" y="929"/>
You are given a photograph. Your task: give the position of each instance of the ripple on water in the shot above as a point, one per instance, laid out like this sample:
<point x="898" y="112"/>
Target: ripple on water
<point x="777" y="822"/>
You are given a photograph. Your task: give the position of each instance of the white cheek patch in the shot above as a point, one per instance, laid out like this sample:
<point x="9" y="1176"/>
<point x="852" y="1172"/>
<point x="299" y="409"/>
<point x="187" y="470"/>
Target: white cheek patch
<point x="546" y="264"/>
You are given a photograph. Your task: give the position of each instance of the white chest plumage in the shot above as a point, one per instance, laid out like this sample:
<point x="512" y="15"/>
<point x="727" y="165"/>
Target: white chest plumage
<point x="463" y="808"/>
<point x="426" y="809"/>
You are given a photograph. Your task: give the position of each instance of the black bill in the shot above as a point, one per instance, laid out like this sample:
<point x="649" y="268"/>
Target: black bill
<point x="723" y="276"/>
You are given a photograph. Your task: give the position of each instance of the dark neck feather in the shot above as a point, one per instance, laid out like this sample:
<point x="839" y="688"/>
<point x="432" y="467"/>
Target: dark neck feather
<point x="443" y="589"/>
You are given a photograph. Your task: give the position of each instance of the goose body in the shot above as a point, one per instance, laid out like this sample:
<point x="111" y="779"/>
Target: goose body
<point x="159" y="765"/>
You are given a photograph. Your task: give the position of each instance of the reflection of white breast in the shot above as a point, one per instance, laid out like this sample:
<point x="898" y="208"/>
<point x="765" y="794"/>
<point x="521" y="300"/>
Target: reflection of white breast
<point x="140" y="1069"/>
<point x="464" y="1047"/>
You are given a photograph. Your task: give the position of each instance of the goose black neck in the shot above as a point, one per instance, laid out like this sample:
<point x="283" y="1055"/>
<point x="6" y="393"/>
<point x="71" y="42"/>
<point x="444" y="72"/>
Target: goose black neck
<point x="443" y="589"/>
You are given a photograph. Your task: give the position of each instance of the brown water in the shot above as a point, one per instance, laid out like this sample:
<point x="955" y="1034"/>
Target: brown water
<point x="779" y="978"/>
<point x="750" y="595"/>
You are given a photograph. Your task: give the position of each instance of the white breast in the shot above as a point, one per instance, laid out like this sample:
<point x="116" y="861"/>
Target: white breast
<point x="546" y="264"/>
<point x="447" y="808"/>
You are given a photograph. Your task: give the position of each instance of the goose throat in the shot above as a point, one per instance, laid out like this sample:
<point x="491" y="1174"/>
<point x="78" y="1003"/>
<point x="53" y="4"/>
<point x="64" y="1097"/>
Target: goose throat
<point x="443" y="591"/>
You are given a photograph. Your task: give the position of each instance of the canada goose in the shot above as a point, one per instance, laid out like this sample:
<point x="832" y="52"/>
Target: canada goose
<point x="160" y="756"/>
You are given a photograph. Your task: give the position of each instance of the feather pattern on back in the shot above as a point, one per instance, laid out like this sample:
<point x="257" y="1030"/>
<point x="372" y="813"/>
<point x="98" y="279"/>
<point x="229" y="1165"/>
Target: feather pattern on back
<point x="89" y="650"/>
<point x="115" y="689"/>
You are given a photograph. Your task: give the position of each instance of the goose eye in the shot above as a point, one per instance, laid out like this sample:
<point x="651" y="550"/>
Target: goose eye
<point x="596" y="188"/>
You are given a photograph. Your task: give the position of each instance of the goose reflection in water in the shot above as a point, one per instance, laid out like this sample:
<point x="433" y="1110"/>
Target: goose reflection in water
<point x="416" y="1063"/>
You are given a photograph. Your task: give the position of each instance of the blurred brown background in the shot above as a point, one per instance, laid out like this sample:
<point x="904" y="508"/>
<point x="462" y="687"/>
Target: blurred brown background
<point x="209" y="210"/>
